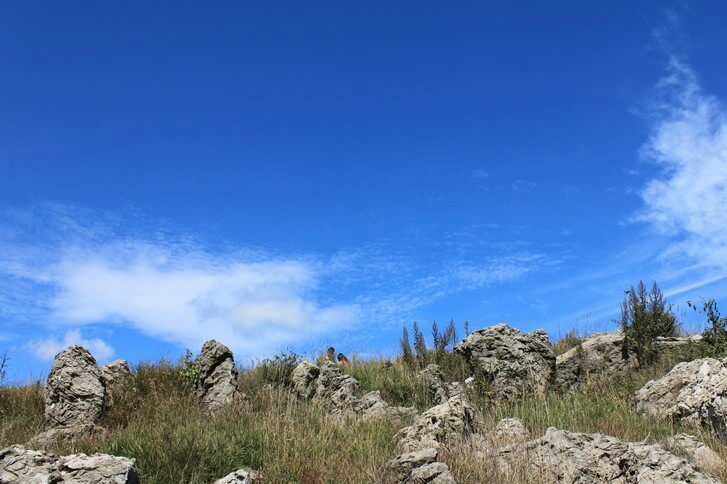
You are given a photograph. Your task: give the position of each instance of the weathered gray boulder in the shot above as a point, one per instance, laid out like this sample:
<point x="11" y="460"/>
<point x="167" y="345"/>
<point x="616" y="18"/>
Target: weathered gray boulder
<point x="21" y="465"/>
<point x="371" y="405"/>
<point x="415" y="467"/>
<point x="511" y="361"/>
<point x="570" y="457"/>
<point x="336" y="392"/>
<point x="693" y="392"/>
<point x="74" y="394"/>
<point x="303" y="379"/>
<point x="447" y="423"/>
<point x="217" y="382"/>
<point x="116" y="374"/>
<point x="673" y="342"/>
<point x="697" y="452"/>
<point x="601" y="353"/>
<point x="433" y="380"/>
<point x="240" y="476"/>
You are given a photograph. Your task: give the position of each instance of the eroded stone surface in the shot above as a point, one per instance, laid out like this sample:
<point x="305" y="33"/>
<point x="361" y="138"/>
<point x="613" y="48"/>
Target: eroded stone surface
<point x="336" y="392"/>
<point x="415" y="467"/>
<point x="21" y="465"/>
<point x="447" y="423"/>
<point x="601" y="353"/>
<point x="513" y="362"/>
<point x="433" y="380"/>
<point x="693" y="391"/>
<point x="303" y="379"/>
<point x="217" y="383"/>
<point x="74" y="393"/>
<point x="570" y="457"/>
<point x="116" y="374"/>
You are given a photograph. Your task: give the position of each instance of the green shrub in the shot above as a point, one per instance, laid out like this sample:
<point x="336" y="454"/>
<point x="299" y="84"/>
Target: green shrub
<point x="645" y="315"/>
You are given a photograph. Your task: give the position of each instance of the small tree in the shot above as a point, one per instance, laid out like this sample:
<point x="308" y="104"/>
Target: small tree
<point x="644" y="317"/>
<point x="716" y="334"/>
<point x="420" y="345"/>
<point x="406" y="352"/>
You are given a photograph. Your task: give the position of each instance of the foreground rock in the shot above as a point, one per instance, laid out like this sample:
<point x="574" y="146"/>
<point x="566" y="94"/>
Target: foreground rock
<point x="217" y="383"/>
<point x="601" y="353"/>
<point x="570" y="457"/>
<point x="447" y="423"/>
<point x="697" y="452"/>
<point x="303" y="379"/>
<point x="372" y="405"/>
<point x="415" y="467"/>
<point x="75" y="396"/>
<point x="241" y="476"/>
<point x="115" y="375"/>
<point x="336" y="392"/>
<point x="693" y="392"/>
<point x="21" y="465"/>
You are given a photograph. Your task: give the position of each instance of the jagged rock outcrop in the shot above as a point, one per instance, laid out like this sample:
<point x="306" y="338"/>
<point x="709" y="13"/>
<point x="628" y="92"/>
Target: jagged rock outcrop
<point x="447" y="423"/>
<point x="115" y="374"/>
<point x="303" y="379"/>
<point x="672" y="342"/>
<point x="513" y="362"/>
<point x="697" y="452"/>
<point x="415" y="467"/>
<point x="601" y="353"/>
<point x="240" y="476"/>
<point x="217" y="382"/>
<point x="433" y="380"/>
<point x="340" y="394"/>
<point x="693" y="392"/>
<point x="336" y="392"/>
<point x="570" y="457"/>
<point x="21" y="465"/>
<point x="75" y="396"/>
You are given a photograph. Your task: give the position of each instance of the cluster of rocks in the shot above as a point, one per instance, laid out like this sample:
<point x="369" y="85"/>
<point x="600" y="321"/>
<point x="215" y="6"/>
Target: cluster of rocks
<point x="340" y="394"/>
<point x="571" y="457"/>
<point x="415" y="467"/>
<point x="20" y="465"/>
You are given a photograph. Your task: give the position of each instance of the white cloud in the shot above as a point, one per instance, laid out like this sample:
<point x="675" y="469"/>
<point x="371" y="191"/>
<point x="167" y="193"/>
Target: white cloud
<point x="688" y="200"/>
<point x="48" y="348"/>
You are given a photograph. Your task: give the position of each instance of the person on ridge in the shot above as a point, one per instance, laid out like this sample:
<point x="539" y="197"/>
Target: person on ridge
<point x="343" y="361"/>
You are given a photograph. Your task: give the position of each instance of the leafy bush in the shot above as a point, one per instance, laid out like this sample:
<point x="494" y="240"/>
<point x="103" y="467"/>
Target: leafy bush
<point x="715" y="336"/>
<point x="189" y="370"/>
<point x="645" y="315"/>
<point x="279" y="369"/>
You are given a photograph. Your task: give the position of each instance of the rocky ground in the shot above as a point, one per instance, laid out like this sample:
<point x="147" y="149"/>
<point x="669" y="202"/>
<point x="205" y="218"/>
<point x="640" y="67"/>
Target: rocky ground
<point x="500" y="407"/>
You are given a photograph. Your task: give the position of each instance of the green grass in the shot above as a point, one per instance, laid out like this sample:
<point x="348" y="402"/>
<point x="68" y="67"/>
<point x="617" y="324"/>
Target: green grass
<point x="156" y="420"/>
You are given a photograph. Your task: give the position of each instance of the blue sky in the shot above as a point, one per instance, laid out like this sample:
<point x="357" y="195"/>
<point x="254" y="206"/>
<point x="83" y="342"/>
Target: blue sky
<point x="288" y="176"/>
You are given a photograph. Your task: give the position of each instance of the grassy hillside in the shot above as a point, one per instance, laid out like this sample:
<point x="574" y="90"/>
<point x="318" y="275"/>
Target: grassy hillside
<point x="156" y="419"/>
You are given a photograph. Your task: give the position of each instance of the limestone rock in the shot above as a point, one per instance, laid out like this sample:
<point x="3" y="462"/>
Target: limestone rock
<point x="116" y="374"/>
<point x="372" y="405"/>
<point x="671" y="342"/>
<point x="415" y="467"/>
<point x="601" y="353"/>
<point x="303" y="379"/>
<point x="693" y="392"/>
<point x="433" y="380"/>
<point x="21" y="465"/>
<point x="217" y="384"/>
<point x="337" y="392"/>
<point x="697" y="452"/>
<point x="240" y="476"/>
<point x="570" y="457"/>
<point x="75" y="393"/>
<point x="511" y="361"/>
<point x="449" y="422"/>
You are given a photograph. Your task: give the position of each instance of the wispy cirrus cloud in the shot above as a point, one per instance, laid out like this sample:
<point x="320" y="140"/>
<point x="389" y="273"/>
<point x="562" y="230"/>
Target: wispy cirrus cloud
<point x="687" y="200"/>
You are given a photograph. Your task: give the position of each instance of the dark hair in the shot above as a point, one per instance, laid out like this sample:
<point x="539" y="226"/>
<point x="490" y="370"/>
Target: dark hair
<point x="342" y="357"/>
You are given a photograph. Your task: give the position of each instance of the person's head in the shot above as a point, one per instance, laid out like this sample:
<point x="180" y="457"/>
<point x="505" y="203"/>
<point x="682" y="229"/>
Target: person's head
<point x="342" y="357"/>
<point x="331" y="353"/>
